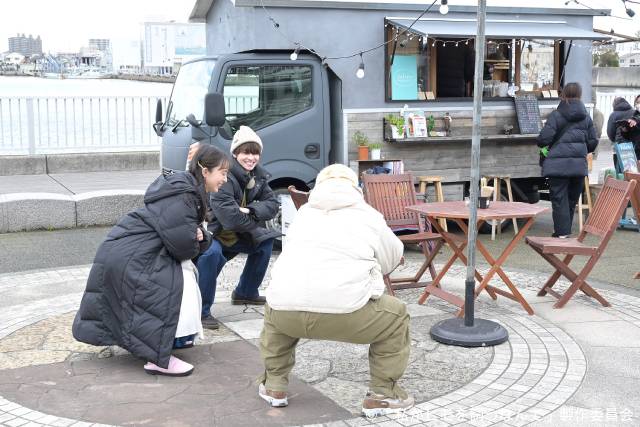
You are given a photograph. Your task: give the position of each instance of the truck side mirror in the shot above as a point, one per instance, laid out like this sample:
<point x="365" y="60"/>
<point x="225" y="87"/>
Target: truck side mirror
<point x="157" y="126"/>
<point x="214" y="109"/>
<point x="191" y="119"/>
<point x="159" y="111"/>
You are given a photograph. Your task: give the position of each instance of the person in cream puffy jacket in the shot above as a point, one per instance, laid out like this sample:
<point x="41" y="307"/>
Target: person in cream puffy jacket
<point x="328" y="284"/>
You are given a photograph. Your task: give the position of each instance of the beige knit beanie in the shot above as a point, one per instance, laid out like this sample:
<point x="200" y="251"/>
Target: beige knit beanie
<point x="243" y="135"/>
<point x="338" y="171"/>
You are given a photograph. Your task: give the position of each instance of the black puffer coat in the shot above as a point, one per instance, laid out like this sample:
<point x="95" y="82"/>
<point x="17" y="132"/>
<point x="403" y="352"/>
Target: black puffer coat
<point x="135" y="285"/>
<point x="568" y="156"/>
<point x="260" y="200"/>
<point x="622" y="110"/>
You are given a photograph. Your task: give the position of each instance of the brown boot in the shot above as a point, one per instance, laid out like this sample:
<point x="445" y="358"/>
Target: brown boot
<point x="375" y="405"/>
<point x="277" y="399"/>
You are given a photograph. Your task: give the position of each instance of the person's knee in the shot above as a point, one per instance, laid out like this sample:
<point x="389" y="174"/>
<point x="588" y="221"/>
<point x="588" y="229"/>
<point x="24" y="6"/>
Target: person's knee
<point x="266" y="246"/>
<point x="214" y="252"/>
<point x="395" y="306"/>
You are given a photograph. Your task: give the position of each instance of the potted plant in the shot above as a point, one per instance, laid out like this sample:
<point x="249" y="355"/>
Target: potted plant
<point x="375" y="151"/>
<point x="396" y="123"/>
<point x="362" y="142"/>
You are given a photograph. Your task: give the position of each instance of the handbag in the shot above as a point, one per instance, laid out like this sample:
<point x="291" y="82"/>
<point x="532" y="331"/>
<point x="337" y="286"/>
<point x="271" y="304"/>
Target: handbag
<point x="544" y="151"/>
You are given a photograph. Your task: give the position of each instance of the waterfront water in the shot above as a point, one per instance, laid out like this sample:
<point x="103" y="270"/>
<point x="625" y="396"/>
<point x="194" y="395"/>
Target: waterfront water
<point x="35" y="86"/>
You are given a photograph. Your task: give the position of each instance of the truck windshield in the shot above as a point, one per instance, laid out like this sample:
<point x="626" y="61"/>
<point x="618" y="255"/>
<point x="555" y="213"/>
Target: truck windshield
<point x="189" y="90"/>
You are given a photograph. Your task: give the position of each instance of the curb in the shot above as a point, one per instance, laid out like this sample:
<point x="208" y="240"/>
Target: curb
<point x="79" y="162"/>
<point x="50" y="211"/>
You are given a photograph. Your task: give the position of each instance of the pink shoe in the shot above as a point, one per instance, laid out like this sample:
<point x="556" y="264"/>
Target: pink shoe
<point x="177" y="368"/>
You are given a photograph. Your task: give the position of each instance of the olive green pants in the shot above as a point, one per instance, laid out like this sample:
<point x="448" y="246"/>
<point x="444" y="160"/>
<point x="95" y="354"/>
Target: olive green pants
<point x="382" y="323"/>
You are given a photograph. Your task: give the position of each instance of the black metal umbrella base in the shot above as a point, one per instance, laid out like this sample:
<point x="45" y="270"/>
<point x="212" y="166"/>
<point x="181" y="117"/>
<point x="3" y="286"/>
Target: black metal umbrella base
<point x="483" y="333"/>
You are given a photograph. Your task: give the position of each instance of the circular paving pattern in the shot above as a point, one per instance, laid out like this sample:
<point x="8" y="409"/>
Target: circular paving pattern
<point x="516" y="383"/>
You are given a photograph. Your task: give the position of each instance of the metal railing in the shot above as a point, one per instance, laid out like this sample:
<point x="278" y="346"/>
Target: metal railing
<point x="46" y="125"/>
<point x="240" y="104"/>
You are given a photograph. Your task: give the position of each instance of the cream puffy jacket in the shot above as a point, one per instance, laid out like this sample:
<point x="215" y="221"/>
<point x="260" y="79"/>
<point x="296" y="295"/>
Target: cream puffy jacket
<point x="337" y="249"/>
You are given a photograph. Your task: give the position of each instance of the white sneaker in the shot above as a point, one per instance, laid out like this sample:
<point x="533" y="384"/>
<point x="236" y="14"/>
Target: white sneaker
<point x="375" y="405"/>
<point x="277" y="399"/>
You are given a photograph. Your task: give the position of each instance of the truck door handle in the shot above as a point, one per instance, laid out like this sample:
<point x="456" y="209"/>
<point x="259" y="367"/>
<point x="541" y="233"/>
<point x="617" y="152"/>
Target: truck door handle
<point x="312" y="151"/>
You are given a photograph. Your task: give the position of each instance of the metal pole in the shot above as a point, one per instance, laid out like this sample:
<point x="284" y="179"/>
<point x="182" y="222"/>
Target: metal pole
<point x="471" y="332"/>
<point x="475" y="165"/>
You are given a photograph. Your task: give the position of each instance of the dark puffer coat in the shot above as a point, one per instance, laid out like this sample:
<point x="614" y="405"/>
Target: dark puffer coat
<point x="622" y="110"/>
<point x="261" y="201"/>
<point x="568" y="156"/>
<point x="135" y="285"/>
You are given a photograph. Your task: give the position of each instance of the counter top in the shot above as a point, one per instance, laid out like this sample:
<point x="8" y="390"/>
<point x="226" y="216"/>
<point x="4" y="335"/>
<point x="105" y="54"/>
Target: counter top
<point x="514" y="137"/>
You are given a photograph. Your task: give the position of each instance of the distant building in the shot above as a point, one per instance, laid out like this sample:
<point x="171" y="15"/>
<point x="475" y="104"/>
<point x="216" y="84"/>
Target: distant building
<point x="103" y="45"/>
<point x="14" y="58"/>
<point x="127" y="56"/>
<point x="26" y="46"/>
<point x="630" y="60"/>
<point x="168" y="44"/>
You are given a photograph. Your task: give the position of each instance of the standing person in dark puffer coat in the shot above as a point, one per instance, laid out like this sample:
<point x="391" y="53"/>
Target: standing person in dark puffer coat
<point x="569" y="135"/>
<point x="141" y="292"/>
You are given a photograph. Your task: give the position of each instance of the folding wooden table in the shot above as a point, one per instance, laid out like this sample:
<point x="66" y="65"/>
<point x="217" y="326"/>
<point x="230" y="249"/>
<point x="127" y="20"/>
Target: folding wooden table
<point x="459" y="212"/>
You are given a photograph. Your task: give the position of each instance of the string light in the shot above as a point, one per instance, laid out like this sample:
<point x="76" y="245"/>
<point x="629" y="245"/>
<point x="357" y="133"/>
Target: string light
<point x="294" y="54"/>
<point x="629" y="11"/>
<point x="360" y="72"/>
<point x="444" y="7"/>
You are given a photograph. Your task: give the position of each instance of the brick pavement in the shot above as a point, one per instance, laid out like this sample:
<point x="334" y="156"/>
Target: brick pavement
<point x="534" y="379"/>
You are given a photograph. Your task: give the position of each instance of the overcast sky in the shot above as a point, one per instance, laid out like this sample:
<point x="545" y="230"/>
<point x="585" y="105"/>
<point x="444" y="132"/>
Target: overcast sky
<point x="66" y="25"/>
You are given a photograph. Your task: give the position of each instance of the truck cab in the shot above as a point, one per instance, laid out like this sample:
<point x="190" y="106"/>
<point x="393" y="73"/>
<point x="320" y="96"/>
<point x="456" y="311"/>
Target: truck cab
<point x="293" y="105"/>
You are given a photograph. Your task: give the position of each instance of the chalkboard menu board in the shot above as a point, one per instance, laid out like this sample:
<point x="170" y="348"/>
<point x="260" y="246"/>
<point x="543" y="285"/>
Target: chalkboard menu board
<point x="528" y="113"/>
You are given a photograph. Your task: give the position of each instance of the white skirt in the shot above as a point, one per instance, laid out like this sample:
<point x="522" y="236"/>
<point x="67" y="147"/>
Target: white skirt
<point x="189" y="322"/>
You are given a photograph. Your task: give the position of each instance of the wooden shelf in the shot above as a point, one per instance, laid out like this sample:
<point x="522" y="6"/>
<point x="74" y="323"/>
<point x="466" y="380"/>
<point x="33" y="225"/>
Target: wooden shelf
<point x="515" y="137"/>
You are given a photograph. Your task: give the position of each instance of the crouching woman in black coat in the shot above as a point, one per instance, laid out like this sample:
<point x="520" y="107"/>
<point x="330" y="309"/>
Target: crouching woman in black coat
<point x="141" y="292"/>
<point x="568" y="135"/>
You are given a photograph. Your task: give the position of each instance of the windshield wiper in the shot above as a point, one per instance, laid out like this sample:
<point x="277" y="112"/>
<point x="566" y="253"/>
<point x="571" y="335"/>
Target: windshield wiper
<point x="179" y="123"/>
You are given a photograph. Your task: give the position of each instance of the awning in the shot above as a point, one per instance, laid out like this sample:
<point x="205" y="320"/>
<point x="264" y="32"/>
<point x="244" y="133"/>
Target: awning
<point x="495" y="28"/>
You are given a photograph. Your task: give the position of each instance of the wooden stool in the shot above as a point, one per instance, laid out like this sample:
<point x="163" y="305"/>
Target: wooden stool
<point x="437" y="188"/>
<point x="497" y="183"/>
<point x="588" y="206"/>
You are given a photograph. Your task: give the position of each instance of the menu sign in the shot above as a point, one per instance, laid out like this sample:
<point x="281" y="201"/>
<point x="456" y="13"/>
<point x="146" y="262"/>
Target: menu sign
<point x="528" y="112"/>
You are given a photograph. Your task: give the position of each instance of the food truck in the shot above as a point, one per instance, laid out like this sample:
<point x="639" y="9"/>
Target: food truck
<point x="314" y="77"/>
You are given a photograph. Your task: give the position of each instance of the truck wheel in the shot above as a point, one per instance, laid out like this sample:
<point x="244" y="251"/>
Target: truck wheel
<point x="276" y="223"/>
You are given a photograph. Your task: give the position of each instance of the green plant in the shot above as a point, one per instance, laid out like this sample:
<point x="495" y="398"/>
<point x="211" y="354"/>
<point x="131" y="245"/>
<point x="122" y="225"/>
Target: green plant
<point x="431" y="123"/>
<point x="375" y="146"/>
<point x="360" y="139"/>
<point x="397" y="121"/>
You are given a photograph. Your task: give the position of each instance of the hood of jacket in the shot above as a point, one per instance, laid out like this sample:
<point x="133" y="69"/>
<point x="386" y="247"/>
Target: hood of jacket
<point x="167" y="186"/>
<point x="622" y="105"/>
<point x="572" y="111"/>
<point x="243" y="176"/>
<point x="334" y="194"/>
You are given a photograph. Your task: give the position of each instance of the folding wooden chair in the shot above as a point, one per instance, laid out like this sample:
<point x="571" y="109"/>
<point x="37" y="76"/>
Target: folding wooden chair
<point x="298" y="197"/>
<point x="603" y="221"/>
<point x="635" y="198"/>
<point x="389" y="195"/>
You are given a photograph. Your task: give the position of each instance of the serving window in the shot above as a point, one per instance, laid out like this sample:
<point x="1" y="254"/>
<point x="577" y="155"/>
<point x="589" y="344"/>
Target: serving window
<point x="419" y="67"/>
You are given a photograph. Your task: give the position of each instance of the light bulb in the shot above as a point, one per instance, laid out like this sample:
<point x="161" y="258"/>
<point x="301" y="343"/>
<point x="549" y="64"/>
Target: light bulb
<point x="294" y="54"/>
<point x="630" y="12"/>
<point x="360" y="72"/>
<point x="444" y="8"/>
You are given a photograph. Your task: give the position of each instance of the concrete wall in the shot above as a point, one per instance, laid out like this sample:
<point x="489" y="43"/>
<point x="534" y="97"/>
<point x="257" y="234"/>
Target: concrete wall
<point x="337" y="32"/>
<point x="627" y="77"/>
